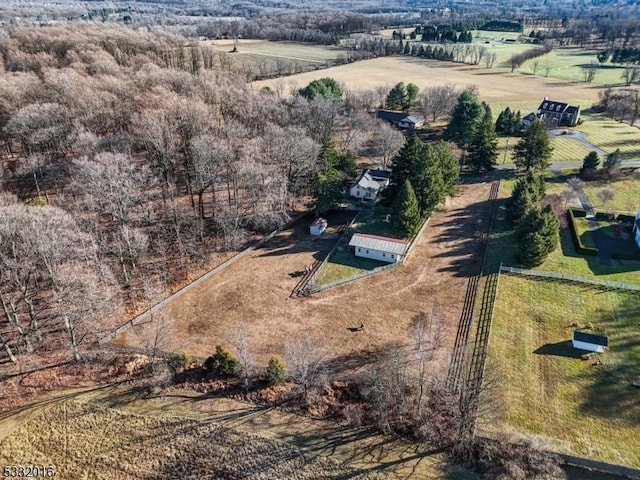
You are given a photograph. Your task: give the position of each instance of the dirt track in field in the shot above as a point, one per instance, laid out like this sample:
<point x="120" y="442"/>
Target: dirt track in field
<point x="254" y="292"/>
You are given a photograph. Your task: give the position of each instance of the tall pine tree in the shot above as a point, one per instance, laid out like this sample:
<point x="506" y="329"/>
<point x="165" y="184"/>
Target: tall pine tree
<point x="533" y="151"/>
<point x="483" y="149"/>
<point x="466" y="116"/>
<point x="405" y="212"/>
<point x="402" y="165"/>
<point x="397" y="97"/>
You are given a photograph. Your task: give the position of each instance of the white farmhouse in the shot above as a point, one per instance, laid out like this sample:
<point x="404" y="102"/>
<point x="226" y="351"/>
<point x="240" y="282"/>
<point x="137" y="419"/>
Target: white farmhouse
<point x="385" y="249"/>
<point x="367" y="187"/>
<point x="590" y="342"/>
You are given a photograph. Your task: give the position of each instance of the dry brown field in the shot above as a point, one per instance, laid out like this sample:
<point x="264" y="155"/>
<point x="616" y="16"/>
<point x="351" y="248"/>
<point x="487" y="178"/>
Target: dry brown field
<point x="114" y="432"/>
<point x="495" y="86"/>
<point x="255" y="292"/>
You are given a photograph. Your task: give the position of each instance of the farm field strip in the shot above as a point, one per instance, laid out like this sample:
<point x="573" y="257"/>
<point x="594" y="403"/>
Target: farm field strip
<point x="288" y="50"/>
<point x="494" y="87"/>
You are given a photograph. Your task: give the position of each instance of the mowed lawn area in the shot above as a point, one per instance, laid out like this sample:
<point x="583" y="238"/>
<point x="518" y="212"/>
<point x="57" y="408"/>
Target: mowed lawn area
<point x="609" y="135"/>
<point x="343" y="264"/>
<point x="565" y="259"/>
<point x="546" y="389"/>
<point x="565" y="150"/>
<point x="626" y="189"/>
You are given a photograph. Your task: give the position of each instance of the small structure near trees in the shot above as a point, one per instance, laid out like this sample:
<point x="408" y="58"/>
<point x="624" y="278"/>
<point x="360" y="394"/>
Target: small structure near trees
<point x="318" y="226"/>
<point x="400" y="119"/>
<point x="590" y="342"/>
<point x="376" y="247"/>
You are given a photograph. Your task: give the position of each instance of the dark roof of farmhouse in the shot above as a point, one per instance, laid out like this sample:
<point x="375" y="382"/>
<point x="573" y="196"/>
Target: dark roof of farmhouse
<point x="395" y="117"/>
<point x="592" y="338"/>
<point x="552" y="106"/>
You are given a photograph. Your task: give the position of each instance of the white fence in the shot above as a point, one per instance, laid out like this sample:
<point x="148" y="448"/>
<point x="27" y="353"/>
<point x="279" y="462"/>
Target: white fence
<point x="571" y="278"/>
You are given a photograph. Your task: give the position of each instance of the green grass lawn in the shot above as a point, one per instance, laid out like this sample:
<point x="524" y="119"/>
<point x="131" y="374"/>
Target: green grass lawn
<point x="343" y="264"/>
<point x="627" y="193"/>
<point x="545" y="388"/>
<point x="582" y="228"/>
<point x="565" y="150"/>
<point x="503" y="247"/>
<point x="609" y="134"/>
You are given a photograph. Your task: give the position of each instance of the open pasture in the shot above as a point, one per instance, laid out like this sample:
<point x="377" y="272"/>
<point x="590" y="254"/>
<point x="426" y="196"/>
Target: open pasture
<point x="261" y="57"/>
<point x="254" y="292"/>
<point x="493" y="86"/>
<point x="545" y="389"/>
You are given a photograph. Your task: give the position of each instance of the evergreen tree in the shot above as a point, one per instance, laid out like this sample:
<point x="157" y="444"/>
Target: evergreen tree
<point x="527" y="193"/>
<point x="405" y="212"/>
<point x="590" y="164"/>
<point x="467" y="114"/>
<point x="402" y="166"/>
<point x="430" y="186"/>
<point x="221" y="362"/>
<point x="323" y="87"/>
<point x="411" y="96"/>
<point x="407" y="48"/>
<point x="533" y="151"/>
<point x="396" y="98"/>
<point x="483" y="149"/>
<point x="328" y="186"/>
<point x="538" y="235"/>
<point x="449" y="166"/>
<point x="275" y="371"/>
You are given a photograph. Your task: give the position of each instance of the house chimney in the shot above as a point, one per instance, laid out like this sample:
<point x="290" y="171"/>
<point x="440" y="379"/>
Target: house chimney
<point x="546" y="98"/>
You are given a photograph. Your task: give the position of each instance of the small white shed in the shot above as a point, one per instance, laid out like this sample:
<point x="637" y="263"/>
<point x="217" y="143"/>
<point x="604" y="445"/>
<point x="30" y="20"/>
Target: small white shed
<point x="384" y="249"/>
<point x="318" y="226"/>
<point x="591" y="342"/>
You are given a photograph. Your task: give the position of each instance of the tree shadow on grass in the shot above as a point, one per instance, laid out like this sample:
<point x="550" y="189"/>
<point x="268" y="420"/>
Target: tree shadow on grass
<point x="559" y="349"/>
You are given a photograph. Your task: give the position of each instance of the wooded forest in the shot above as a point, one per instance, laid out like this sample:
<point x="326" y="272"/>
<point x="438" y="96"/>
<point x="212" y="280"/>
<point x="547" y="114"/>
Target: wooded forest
<point x="125" y="167"/>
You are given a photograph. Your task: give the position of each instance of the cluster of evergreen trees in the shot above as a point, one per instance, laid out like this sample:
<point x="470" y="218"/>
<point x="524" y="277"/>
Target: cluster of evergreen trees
<point x="621" y="55"/>
<point x="537" y="229"/>
<point x="502" y="26"/>
<point x="509" y="122"/>
<point x="430" y="52"/>
<point x="471" y="127"/>
<point x="444" y="33"/>
<point x="402" y="97"/>
<point x="422" y="176"/>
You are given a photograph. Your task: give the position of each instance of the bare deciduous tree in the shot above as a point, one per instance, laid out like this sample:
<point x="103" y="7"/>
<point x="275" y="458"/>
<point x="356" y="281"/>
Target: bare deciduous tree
<point x="305" y="361"/>
<point x="605" y="195"/>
